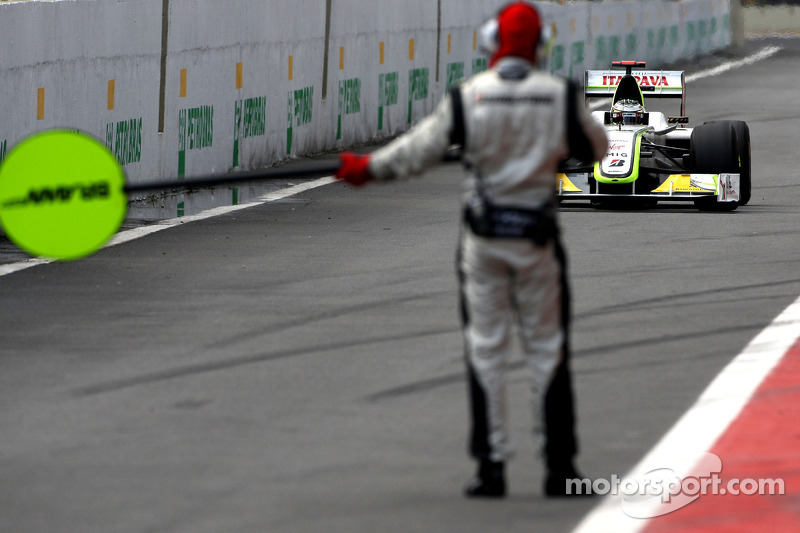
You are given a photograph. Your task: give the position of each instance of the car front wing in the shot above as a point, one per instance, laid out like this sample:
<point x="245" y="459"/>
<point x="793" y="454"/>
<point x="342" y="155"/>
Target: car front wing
<point x="676" y="187"/>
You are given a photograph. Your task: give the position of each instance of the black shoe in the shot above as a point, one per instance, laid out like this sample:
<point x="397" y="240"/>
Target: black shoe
<point x="567" y="484"/>
<point x="490" y="482"/>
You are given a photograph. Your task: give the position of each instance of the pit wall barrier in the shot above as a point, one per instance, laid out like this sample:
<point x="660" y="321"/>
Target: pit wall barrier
<point x="198" y="87"/>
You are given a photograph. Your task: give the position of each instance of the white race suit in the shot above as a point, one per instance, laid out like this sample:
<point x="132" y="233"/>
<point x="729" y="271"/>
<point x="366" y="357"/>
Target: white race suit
<point x="515" y="125"/>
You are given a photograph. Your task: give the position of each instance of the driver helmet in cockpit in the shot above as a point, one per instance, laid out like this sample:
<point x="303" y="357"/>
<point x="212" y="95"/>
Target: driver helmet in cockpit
<point x="627" y="112"/>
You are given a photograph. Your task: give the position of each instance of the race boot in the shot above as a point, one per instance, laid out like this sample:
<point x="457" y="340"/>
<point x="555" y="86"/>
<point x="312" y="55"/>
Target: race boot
<point x="490" y="481"/>
<point x="558" y="482"/>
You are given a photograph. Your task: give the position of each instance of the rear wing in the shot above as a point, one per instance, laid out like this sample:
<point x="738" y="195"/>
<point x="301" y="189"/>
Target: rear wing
<point x="653" y="83"/>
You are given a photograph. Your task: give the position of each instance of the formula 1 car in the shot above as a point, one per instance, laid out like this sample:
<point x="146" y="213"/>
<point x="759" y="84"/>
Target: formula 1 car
<point x="653" y="157"/>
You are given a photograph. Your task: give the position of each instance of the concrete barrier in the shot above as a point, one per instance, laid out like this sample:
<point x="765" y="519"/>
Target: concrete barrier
<point x="772" y="19"/>
<point x="190" y="87"/>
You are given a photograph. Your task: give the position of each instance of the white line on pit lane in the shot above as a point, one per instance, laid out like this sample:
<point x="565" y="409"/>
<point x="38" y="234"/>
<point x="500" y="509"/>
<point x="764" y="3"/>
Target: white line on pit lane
<point x="136" y="233"/>
<point x="700" y="427"/>
<point x="761" y="55"/>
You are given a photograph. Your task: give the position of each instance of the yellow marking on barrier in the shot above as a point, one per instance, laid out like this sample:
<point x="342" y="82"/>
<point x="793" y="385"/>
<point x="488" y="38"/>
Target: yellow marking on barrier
<point x="182" y="92"/>
<point x="291" y="67"/>
<point x="449" y="41"/>
<point x="111" y="88"/>
<point x="474" y="40"/>
<point x="239" y="75"/>
<point x="341" y="58"/>
<point x="411" y="49"/>
<point x="40" y="104"/>
<point x="573" y="26"/>
<point x="381" y="52"/>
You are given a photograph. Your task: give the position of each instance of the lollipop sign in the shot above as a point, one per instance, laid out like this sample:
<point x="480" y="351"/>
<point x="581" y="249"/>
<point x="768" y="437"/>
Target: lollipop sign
<point x="63" y="194"/>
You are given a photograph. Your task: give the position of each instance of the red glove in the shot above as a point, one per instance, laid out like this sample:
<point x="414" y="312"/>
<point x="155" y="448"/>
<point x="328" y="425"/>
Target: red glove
<point x="354" y="169"/>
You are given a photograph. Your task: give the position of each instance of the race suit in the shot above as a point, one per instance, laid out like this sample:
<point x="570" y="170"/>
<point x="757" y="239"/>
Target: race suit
<point x="515" y="126"/>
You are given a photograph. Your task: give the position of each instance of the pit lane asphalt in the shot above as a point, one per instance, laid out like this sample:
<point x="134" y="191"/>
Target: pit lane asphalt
<point x="296" y="366"/>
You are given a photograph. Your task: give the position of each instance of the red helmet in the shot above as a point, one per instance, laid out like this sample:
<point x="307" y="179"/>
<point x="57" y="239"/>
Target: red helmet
<point x="516" y="31"/>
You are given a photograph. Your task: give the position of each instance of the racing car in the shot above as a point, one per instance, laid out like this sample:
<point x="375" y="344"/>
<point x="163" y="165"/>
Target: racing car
<point x="653" y="157"/>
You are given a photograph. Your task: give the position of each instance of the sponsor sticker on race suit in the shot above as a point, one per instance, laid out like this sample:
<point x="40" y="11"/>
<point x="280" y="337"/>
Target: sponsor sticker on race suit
<point x="619" y="158"/>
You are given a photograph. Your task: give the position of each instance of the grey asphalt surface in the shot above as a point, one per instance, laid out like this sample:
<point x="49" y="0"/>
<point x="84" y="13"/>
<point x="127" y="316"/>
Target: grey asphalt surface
<point x="296" y="366"/>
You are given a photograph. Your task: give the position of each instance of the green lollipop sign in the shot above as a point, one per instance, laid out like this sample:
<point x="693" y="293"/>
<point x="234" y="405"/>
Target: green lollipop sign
<point x="61" y="194"/>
